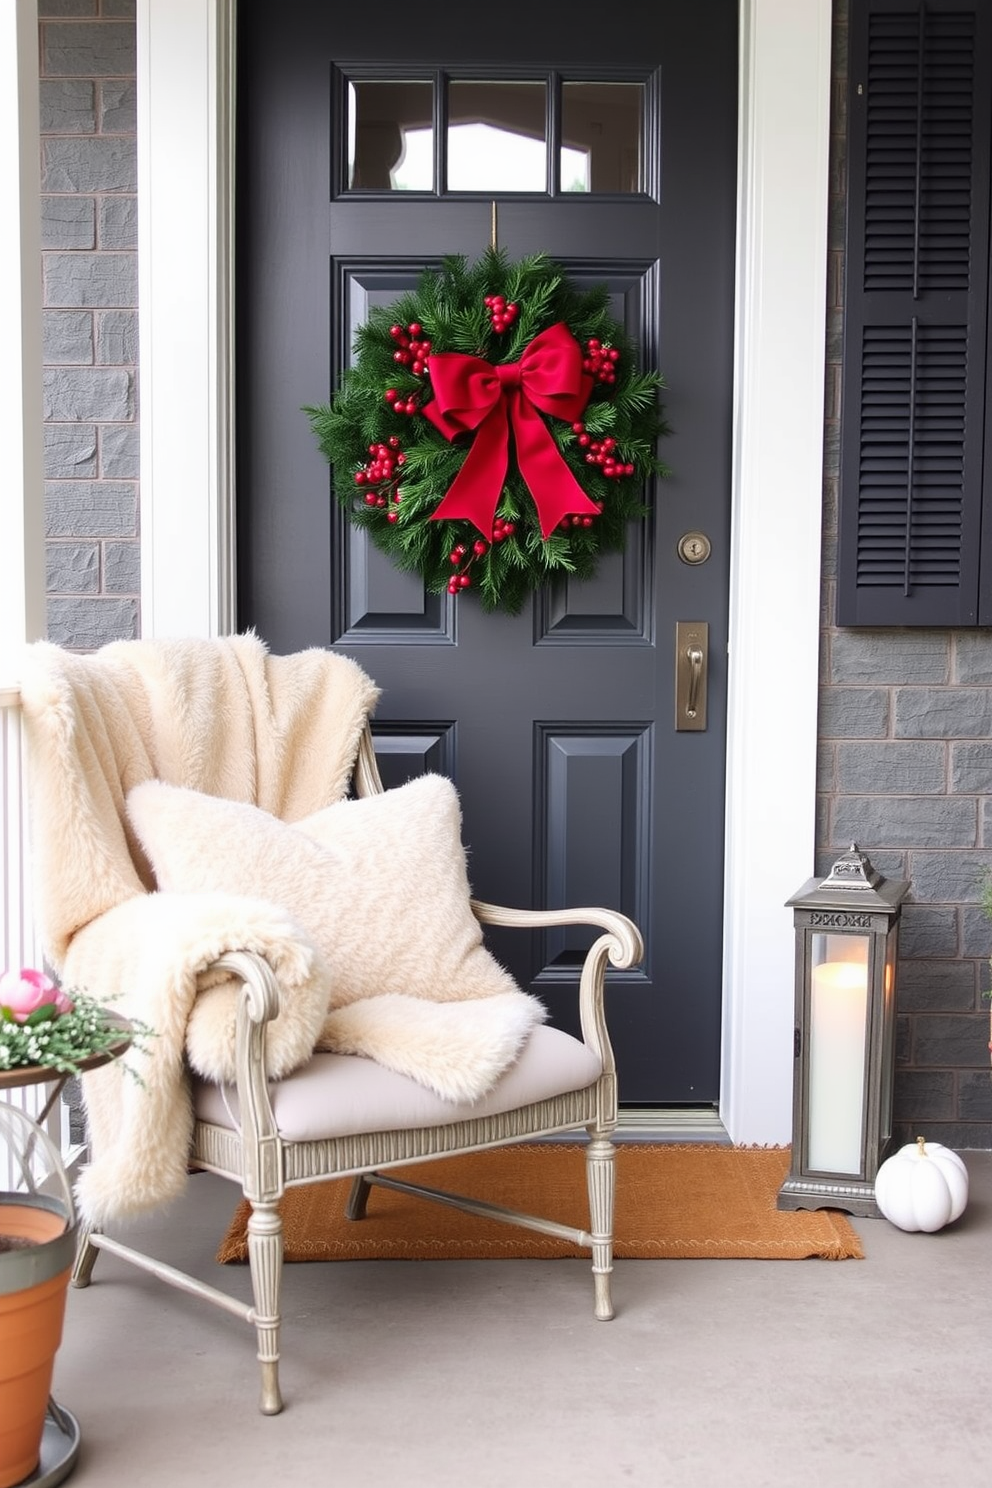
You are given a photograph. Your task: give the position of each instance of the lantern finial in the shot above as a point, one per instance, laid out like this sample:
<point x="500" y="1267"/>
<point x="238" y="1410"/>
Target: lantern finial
<point x="853" y="870"/>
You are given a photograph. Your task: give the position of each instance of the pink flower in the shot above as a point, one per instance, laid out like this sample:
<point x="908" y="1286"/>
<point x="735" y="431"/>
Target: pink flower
<point x="24" y="992"/>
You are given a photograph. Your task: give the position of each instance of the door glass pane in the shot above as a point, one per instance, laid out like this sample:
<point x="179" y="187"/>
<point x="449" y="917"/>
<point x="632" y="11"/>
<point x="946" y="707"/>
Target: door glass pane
<point x="497" y="136"/>
<point x="601" y="127"/>
<point x="390" y="136"/>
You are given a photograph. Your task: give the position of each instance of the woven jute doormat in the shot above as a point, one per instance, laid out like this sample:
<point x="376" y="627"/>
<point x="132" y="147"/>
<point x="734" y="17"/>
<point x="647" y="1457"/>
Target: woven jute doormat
<point x="695" y="1201"/>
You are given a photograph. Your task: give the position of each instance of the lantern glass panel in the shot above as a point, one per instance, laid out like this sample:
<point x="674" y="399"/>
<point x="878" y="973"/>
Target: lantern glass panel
<point x="888" y="1061"/>
<point x="837" y="1035"/>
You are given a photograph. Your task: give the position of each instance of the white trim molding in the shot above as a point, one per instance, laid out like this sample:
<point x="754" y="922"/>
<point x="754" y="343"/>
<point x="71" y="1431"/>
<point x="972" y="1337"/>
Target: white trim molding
<point x="186" y="101"/>
<point x="186" y="88"/>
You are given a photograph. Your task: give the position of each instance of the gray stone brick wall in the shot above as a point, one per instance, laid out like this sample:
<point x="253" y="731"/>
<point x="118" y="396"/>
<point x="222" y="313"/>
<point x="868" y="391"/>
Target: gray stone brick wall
<point x="905" y="765"/>
<point x="90" y="287"/>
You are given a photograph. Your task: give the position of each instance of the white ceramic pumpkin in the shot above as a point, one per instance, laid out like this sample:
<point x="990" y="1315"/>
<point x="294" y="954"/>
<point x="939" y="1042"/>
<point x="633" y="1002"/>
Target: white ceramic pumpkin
<point x="923" y="1186"/>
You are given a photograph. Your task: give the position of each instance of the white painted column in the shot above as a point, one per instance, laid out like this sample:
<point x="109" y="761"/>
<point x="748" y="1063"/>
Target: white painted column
<point x="22" y="499"/>
<point x="186" y="315"/>
<point x="22" y="490"/>
<point x="775" y="566"/>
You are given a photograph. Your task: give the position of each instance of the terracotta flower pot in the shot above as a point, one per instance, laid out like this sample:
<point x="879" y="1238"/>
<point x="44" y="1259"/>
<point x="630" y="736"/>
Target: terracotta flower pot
<point x="37" y="1243"/>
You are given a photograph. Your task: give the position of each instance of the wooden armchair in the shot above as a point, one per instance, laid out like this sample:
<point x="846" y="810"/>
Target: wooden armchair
<point x="276" y="1091"/>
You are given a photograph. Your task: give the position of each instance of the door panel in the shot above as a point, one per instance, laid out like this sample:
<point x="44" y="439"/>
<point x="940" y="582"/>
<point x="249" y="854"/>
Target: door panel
<point x="557" y="724"/>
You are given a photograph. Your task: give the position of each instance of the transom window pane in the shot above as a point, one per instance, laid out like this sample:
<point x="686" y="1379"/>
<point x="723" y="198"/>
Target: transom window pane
<point x="601" y="126"/>
<point x="497" y="136"/>
<point x="390" y="136"/>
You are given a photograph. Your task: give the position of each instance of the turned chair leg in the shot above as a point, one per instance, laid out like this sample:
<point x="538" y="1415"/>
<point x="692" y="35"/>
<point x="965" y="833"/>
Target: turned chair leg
<point x="265" y="1261"/>
<point x="86" y="1254"/>
<point x="358" y="1198"/>
<point x="601" y="1180"/>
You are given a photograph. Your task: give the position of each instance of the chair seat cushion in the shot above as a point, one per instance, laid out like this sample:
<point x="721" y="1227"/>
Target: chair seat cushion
<point x="341" y="1095"/>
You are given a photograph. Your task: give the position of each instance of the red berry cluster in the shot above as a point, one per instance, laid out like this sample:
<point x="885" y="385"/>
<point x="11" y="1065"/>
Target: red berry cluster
<point x="600" y="361"/>
<point x="501" y="314"/>
<point x="411" y="350"/>
<point x="600" y="452"/>
<point x="381" y="473"/>
<point x="567" y="523"/>
<point x="462" y="556"/>
<point x="502" y="530"/>
<point x="398" y="403"/>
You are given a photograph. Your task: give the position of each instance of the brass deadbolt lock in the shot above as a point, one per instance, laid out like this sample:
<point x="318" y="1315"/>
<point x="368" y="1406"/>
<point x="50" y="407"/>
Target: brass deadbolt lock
<point x="694" y="547"/>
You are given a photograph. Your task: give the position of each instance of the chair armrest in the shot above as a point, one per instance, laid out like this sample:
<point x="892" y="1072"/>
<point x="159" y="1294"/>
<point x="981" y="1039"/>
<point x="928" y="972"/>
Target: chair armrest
<point x="257" y="1006"/>
<point x="261" y="990"/>
<point x="622" y="946"/>
<point x="626" y="944"/>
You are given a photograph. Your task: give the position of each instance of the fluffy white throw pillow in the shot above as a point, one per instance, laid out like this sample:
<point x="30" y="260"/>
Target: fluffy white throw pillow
<point x="381" y="886"/>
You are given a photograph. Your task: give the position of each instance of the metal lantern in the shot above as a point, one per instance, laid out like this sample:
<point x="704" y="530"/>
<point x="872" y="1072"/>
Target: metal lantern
<point x="847" y="929"/>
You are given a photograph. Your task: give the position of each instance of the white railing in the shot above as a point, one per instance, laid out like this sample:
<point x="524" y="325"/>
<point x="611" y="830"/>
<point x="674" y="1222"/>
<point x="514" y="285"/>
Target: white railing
<point x="18" y="941"/>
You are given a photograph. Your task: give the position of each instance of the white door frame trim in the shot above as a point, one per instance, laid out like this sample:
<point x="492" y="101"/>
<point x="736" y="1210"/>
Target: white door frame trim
<point x="186" y="116"/>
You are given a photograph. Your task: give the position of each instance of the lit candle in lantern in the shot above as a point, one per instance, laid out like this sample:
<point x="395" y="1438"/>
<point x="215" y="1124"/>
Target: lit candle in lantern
<point x="838" y="1012"/>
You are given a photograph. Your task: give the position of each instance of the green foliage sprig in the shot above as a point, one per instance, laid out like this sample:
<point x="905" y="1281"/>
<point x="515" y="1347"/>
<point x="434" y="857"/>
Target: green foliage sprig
<point x="452" y="310"/>
<point x="63" y="1041"/>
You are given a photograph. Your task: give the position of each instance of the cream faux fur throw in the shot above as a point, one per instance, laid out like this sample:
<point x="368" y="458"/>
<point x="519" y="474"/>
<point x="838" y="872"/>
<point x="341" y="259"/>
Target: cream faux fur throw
<point x="220" y="716"/>
<point x="225" y="719"/>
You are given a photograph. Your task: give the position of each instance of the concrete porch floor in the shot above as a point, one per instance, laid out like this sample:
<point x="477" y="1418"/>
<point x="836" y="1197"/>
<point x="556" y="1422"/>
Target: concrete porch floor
<point x="478" y="1374"/>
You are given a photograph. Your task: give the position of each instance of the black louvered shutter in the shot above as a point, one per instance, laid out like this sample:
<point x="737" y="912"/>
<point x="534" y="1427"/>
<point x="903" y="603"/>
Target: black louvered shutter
<point x="915" y="374"/>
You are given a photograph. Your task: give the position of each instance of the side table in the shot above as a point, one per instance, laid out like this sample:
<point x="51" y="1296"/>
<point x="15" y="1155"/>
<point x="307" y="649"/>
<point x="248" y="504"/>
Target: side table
<point x="60" y="1436"/>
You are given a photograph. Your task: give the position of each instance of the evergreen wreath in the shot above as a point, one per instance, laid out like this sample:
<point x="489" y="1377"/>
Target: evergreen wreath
<point x="484" y="376"/>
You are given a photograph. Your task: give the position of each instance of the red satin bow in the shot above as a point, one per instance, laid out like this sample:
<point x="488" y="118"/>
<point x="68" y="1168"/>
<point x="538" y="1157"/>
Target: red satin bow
<point x="472" y="394"/>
